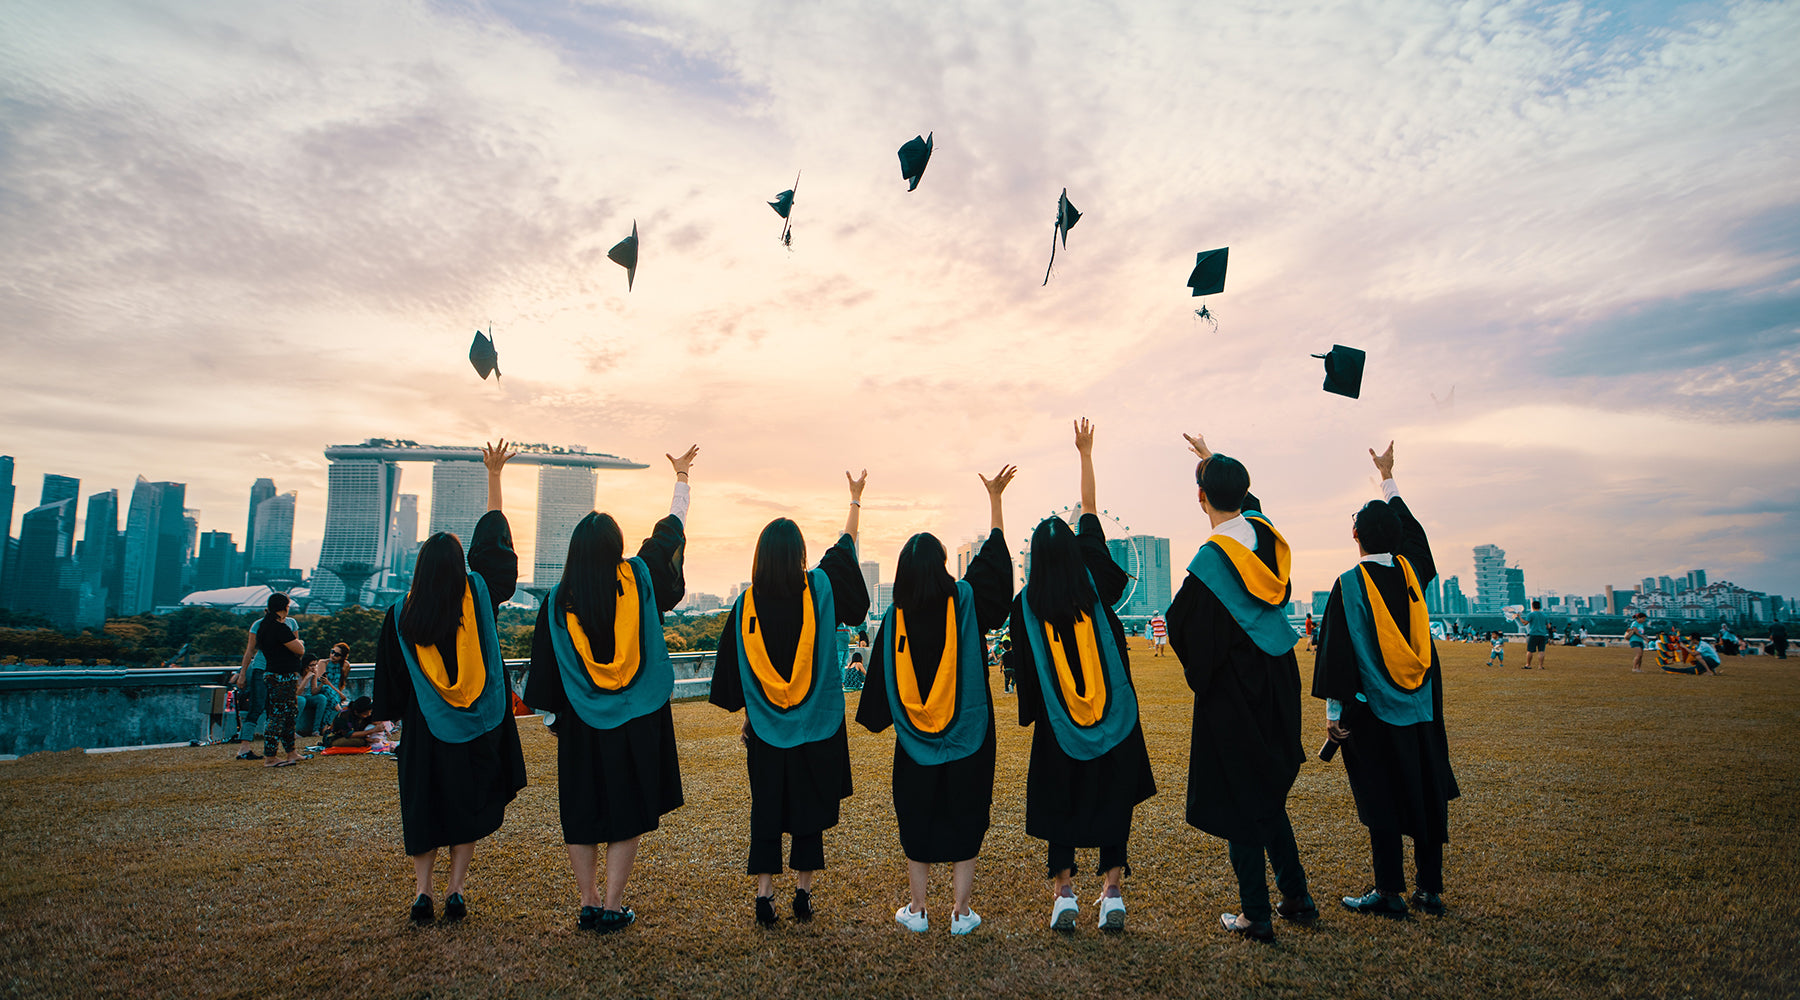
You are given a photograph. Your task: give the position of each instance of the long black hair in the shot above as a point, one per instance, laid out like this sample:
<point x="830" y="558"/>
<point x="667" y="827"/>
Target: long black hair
<point x="779" y="569"/>
<point x="920" y="580"/>
<point x="1059" y="586"/>
<point x="433" y="607"/>
<point x="590" y="576"/>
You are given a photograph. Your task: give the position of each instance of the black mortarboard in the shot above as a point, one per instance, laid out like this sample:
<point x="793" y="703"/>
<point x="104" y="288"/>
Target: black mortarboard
<point x="1209" y="271"/>
<point x="1066" y="217"/>
<point x="913" y="157"/>
<point x="784" y="206"/>
<point x="1343" y="370"/>
<point x="483" y="356"/>
<point x="624" y="254"/>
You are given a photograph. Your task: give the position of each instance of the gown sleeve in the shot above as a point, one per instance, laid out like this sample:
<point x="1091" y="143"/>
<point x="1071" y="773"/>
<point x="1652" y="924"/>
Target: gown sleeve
<point x="491" y="554"/>
<point x="544" y="684"/>
<point x="727" y="684"/>
<point x="990" y="575"/>
<point x="849" y="592"/>
<point x="1413" y="543"/>
<point x="1109" y="579"/>
<point x="1334" y="664"/>
<point x="872" y="709"/>
<point x="393" y="686"/>
<point x="663" y="553"/>
<point x="1198" y="643"/>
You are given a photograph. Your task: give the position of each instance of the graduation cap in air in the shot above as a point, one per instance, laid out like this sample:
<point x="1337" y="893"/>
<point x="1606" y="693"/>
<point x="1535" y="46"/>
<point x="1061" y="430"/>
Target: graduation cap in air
<point x="484" y="357"/>
<point x="624" y="254"/>
<point x="784" y="207"/>
<point x="1066" y="217"/>
<point x="1208" y="279"/>
<point x="1343" y="370"/>
<point x="913" y="157"/>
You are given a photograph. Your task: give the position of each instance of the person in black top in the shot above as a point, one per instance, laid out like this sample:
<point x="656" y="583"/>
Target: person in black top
<point x="438" y="668"/>
<point x="281" y="650"/>
<point x="1378" y="671"/>
<point x="617" y="769"/>
<point x="1089" y="766"/>
<point x="937" y="697"/>
<point x="776" y="661"/>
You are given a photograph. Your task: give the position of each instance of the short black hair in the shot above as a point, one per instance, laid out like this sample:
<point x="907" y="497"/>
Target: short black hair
<point x="1537" y="603"/>
<point x="1225" y="481"/>
<point x="1378" y="527"/>
<point x="361" y="705"/>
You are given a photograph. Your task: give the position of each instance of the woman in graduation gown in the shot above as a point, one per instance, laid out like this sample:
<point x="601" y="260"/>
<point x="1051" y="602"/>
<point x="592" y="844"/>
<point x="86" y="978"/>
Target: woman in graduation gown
<point x="438" y="667"/>
<point x="1089" y="767"/>
<point x="928" y="680"/>
<point x="778" y="661"/>
<point x="598" y="661"/>
<point x="1378" y="671"/>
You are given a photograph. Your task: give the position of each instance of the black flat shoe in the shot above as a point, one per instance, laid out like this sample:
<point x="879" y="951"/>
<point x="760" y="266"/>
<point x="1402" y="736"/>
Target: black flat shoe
<point x="454" y="907"/>
<point x="802" y="905"/>
<point x="1253" y="929"/>
<point x="589" y="919"/>
<point x="765" y="910"/>
<point x="1300" y="911"/>
<point x="421" y="910"/>
<point x="249" y="755"/>
<point x="1428" y="902"/>
<point x="1382" y="904"/>
<point x="615" y="920"/>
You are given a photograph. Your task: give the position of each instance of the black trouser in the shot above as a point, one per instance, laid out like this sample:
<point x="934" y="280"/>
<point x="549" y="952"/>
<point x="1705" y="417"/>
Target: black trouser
<point x="1390" y="856"/>
<point x="1062" y="858"/>
<point x="806" y="855"/>
<point x="281" y="713"/>
<point x="1253" y="883"/>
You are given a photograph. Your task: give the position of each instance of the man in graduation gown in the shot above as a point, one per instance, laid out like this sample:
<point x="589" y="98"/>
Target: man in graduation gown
<point x="1229" y="628"/>
<point x="1378" y="672"/>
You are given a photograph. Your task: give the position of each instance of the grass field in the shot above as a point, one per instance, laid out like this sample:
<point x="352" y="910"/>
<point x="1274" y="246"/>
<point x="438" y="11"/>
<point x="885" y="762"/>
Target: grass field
<point x="1630" y="835"/>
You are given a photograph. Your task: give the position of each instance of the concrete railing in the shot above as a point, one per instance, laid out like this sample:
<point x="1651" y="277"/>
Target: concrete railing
<point x="99" y="707"/>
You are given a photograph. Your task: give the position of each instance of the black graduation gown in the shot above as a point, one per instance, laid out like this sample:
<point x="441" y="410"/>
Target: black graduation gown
<point x="1080" y="803"/>
<point x="1245" y="751"/>
<point x="452" y="793"/>
<point x="1400" y="775"/>
<point x="794" y="789"/>
<point x="943" y="810"/>
<point x="613" y="784"/>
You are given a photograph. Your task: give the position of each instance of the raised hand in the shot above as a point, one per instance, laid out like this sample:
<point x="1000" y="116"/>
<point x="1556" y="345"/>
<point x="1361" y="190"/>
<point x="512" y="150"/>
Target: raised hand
<point x="495" y="457"/>
<point x="1384" y="462"/>
<point x="1084" y="436"/>
<point x="1197" y="445"/>
<point x="997" y="485"/>
<point x="685" y="462"/>
<point x="856" y="485"/>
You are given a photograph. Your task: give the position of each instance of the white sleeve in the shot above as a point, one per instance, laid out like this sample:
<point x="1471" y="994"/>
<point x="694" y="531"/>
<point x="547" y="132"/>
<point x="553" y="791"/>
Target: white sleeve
<point x="1388" y="489"/>
<point x="1334" y="710"/>
<point x="678" y="504"/>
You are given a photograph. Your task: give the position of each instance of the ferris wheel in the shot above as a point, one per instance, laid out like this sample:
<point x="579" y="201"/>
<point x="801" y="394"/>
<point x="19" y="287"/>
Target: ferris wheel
<point x="1123" y="552"/>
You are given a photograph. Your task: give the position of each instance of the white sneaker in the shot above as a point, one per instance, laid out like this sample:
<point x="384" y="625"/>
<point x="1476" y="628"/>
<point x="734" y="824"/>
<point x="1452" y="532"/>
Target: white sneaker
<point x="965" y="923"/>
<point x="912" y="920"/>
<point x="1063" y="913"/>
<point x="1112" y="913"/>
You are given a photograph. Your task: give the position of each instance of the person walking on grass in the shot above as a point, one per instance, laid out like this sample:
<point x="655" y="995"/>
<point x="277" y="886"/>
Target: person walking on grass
<point x="1537" y="635"/>
<point x="1637" y="636"/>
<point x="273" y="638"/>
<point x="1497" y="654"/>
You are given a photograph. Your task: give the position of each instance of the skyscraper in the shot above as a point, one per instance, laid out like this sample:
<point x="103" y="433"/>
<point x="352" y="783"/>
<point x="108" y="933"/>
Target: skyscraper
<point x="1454" y="601"/>
<point x="155" y="532"/>
<point x="565" y="495"/>
<point x="1490" y="579"/>
<point x="1696" y="579"/>
<point x="6" y="512"/>
<point x="459" y="498"/>
<point x="57" y="488"/>
<point x="404" y="546"/>
<point x="359" y="506"/>
<point x="216" y="566"/>
<point x="46" y="537"/>
<point x="1152" y="595"/>
<point x="261" y="490"/>
<point x="274" y="526"/>
<point x="102" y="550"/>
<point x="871" y="571"/>
<point x="1434" y="595"/>
<point x="1515" y="586"/>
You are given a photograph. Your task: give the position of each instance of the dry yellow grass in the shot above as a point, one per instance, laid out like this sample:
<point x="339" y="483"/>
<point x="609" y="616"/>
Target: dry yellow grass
<point x="1619" y="835"/>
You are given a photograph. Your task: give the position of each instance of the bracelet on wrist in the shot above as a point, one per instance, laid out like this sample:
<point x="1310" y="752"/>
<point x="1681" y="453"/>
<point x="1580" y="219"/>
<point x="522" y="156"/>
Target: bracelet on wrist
<point x="856" y="503"/>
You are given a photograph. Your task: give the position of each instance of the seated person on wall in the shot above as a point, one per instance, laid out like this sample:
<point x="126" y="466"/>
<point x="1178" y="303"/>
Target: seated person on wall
<point x="354" y="728"/>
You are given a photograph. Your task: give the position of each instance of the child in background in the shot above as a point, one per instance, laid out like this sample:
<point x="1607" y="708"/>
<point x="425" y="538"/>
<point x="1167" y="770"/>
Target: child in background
<point x="1499" y="652"/>
<point x="352" y="727"/>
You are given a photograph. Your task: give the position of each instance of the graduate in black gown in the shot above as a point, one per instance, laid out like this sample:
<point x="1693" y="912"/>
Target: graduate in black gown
<point x="1089" y="767"/>
<point x="1378" y="671"/>
<point x="778" y="661"/>
<point x="1229" y="627"/>
<point x="928" y="680"/>
<point x="438" y="668"/>
<point x="598" y="661"/>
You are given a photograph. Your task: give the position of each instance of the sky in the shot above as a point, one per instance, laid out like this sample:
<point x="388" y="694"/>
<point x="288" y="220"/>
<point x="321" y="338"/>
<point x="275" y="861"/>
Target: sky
<point x="1568" y="235"/>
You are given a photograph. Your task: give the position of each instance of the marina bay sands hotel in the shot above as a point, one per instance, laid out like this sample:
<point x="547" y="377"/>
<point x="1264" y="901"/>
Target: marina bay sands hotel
<point x="363" y="487"/>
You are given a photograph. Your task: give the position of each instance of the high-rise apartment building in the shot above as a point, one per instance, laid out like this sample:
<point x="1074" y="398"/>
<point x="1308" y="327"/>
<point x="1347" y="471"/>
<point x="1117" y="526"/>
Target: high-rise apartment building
<point x="102" y="550"/>
<point x="1490" y="579"/>
<point x="565" y="495"/>
<point x="155" y="533"/>
<point x="1320" y="598"/>
<point x="1455" y="603"/>
<point x="359" y="507"/>
<point x="459" y="498"/>
<point x="217" y="565"/>
<point x="1515" y="586"/>
<point x="403" y="547"/>
<point x="6" y="513"/>
<point x="871" y="571"/>
<point x="260" y="490"/>
<point x="1696" y="579"/>
<point x="1152" y="595"/>
<point x="1434" y="596"/>
<point x="1665" y="584"/>
<point x="273" y="558"/>
<point x="46" y="539"/>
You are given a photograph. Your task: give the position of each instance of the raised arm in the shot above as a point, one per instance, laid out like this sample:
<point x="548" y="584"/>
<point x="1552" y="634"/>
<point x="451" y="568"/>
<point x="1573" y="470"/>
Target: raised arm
<point x="856" y="492"/>
<point x="495" y="459"/>
<point x="679" y="505"/>
<point x="995" y="487"/>
<point x="1084" y="443"/>
<point x="1384" y="463"/>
